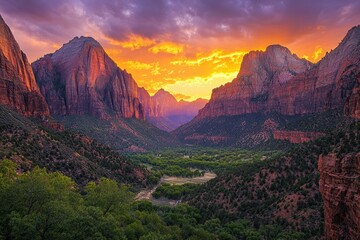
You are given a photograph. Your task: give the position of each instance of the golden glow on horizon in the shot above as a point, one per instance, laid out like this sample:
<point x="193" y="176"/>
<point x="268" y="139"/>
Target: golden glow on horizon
<point x="187" y="71"/>
<point x="187" y="48"/>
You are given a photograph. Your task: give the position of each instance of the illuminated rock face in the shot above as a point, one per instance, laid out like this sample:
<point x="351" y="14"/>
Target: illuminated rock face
<point x="18" y="89"/>
<point x="278" y="81"/>
<point x="80" y="78"/>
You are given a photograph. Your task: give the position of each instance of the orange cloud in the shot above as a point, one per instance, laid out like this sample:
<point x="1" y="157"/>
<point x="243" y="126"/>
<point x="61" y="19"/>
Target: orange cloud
<point x="167" y="47"/>
<point x="137" y="65"/>
<point x="201" y="87"/>
<point x="134" y="42"/>
<point x="180" y="96"/>
<point x="215" y="57"/>
<point x="318" y="54"/>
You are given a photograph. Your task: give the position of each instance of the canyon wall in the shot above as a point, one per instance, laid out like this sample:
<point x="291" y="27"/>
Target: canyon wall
<point x="18" y="89"/>
<point x="340" y="188"/>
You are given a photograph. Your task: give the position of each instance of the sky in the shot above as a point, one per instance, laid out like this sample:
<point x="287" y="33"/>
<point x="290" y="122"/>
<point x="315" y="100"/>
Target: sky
<point x="187" y="47"/>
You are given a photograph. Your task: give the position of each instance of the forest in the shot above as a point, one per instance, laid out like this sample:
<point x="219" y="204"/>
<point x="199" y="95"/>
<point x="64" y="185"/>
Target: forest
<point x="43" y="205"/>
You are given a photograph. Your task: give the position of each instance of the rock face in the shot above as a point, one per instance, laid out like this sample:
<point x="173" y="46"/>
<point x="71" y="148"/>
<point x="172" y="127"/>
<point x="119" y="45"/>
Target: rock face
<point x="151" y="108"/>
<point x="167" y="113"/>
<point x="296" y="136"/>
<point x="278" y="81"/>
<point x="352" y="105"/>
<point x="80" y="78"/>
<point x="18" y="89"/>
<point x="340" y="188"/>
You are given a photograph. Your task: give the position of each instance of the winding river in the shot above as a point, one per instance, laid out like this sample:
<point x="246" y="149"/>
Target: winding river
<point x="146" y="194"/>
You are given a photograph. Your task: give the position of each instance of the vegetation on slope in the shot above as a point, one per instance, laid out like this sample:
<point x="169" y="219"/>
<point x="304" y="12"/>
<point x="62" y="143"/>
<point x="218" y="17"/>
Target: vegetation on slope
<point x="281" y="191"/>
<point x="42" y="205"/>
<point x="193" y="161"/>
<point x="119" y="133"/>
<point x="256" y="129"/>
<point x="75" y="155"/>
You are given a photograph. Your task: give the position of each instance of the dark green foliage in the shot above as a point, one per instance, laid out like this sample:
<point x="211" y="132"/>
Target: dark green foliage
<point x="75" y="155"/>
<point x="255" y="130"/>
<point x="185" y="162"/>
<point x="120" y="133"/>
<point x="175" y="192"/>
<point x="264" y="191"/>
<point x="41" y="205"/>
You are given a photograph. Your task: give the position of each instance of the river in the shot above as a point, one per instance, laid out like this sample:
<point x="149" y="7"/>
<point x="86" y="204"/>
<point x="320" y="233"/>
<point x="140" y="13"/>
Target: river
<point x="146" y="194"/>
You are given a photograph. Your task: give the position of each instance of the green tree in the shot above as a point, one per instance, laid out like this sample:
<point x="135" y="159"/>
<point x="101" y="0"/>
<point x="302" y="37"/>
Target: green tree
<point x="107" y="195"/>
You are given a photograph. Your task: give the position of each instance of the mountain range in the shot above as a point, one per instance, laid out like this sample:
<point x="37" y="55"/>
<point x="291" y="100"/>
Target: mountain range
<point x="275" y="89"/>
<point x="276" y="96"/>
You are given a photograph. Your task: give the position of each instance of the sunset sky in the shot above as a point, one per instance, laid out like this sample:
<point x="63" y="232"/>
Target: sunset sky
<point x="187" y="47"/>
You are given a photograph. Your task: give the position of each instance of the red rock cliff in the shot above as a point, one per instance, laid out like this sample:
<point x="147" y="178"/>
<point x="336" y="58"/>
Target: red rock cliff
<point x="296" y="136"/>
<point x="80" y="78"/>
<point x="18" y="89"/>
<point x="278" y="81"/>
<point x="340" y="188"/>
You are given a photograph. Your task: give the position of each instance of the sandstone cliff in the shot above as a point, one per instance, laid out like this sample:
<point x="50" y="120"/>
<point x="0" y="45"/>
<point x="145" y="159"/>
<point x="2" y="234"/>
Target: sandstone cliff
<point x="340" y="188"/>
<point x="278" y="81"/>
<point x="18" y="89"/>
<point x="296" y="136"/>
<point x="80" y="78"/>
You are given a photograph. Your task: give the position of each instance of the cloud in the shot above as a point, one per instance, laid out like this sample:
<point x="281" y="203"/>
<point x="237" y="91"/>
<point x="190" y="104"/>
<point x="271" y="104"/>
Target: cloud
<point x="199" y="86"/>
<point x="166" y="41"/>
<point x="137" y="65"/>
<point x="180" y="96"/>
<point x="167" y="47"/>
<point x="215" y="57"/>
<point x="134" y="42"/>
<point x="317" y="54"/>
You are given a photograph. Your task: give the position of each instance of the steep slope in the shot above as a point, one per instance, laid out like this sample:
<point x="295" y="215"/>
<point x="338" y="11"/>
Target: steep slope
<point x="260" y="77"/>
<point x="340" y="188"/>
<point x="18" y="89"/>
<point x="75" y="155"/>
<point x="170" y="113"/>
<point x="278" y="81"/>
<point x="121" y="134"/>
<point x="285" y="190"/>
<point x="80" y="78"/>
<point x="88" y="93"/>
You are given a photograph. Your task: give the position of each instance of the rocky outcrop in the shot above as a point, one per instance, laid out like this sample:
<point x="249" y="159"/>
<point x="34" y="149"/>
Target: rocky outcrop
<point x="80" y="78"/>
<point x="278" y="81"/>
<point x="340" y="188"/>
<point x="296" y="136"/>
<point x="18" y="89"/>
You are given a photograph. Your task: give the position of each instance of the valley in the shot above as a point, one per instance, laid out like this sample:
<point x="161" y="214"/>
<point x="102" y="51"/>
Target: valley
<point x="91" y="150"/>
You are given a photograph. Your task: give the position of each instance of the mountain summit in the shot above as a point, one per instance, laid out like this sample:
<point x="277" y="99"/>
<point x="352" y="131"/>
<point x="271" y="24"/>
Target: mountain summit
<point x="18" y="89"/>
<point x="277" y="83"/>
<point x="80" y="78"/>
